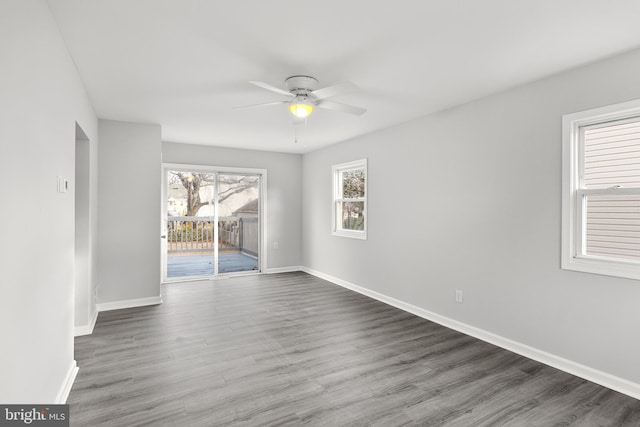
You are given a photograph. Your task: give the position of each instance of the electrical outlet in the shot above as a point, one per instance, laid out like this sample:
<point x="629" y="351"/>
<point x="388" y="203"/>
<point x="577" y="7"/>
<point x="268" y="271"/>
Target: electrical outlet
<point x="459" y="296"/>
<point x="275" y="245"/>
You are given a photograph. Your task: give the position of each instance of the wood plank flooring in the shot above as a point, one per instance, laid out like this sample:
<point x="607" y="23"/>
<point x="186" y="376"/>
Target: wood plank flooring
<point x="292" y="349"/>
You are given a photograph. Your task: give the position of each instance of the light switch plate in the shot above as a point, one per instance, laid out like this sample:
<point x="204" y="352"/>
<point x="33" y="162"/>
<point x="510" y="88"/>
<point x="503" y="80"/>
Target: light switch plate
<point x="63" y="184"/>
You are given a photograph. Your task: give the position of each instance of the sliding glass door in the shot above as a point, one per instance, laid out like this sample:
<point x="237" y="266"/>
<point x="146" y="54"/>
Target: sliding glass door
<point x="212" y="222"/>
<point x="238" y="222"/>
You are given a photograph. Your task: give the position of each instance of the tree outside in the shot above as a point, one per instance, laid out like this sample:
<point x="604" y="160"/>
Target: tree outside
<point x="199" y="188"/>
<point x="353" y="187"/>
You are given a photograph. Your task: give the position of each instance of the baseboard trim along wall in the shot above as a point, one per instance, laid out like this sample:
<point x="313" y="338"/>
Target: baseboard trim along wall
<point x="604" y="379"/>
<point x="130" y="303"/>
<point x="282" y="270"/>
<point x="65" y="388"/>
<point x="86" y="329"/>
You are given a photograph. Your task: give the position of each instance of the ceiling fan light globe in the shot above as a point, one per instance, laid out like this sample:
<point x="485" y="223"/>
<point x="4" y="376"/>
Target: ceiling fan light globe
<point x="301" y="110"/>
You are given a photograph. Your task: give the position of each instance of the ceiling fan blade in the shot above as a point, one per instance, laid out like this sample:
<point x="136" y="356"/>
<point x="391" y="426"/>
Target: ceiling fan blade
<point x="271" y="88"/>
<point x="344" y="108"/>
<point x="264" y="104"/>
<point x="335" y="90"/>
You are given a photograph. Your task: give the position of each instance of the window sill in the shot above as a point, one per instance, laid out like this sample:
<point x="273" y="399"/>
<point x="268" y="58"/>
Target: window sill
<point x="606" y="267"/>
<point x="361" y="235"/>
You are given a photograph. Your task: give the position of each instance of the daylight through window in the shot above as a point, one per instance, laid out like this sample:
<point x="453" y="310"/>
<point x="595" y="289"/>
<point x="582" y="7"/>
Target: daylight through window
<point x="602" y="191"/>
<point x="350" y="199"/>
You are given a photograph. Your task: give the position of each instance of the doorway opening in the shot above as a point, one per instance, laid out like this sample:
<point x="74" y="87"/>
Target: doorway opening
<point x="84" y="286"/>
<point x="213" y="222"/>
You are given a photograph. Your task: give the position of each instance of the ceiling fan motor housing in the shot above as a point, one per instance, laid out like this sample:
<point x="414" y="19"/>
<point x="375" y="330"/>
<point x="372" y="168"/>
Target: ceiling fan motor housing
<point x="301" y="85"/>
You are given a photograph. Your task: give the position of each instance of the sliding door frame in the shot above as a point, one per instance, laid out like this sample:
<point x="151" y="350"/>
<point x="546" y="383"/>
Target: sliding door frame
<point x="262" y="256"/>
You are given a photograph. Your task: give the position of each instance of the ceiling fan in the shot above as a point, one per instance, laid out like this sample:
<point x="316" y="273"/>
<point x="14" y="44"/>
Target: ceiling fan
<point x="305" y="96"/>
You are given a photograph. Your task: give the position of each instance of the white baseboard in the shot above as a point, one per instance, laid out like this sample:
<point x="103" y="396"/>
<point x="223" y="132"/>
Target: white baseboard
<point x="130" y="303"/>
<point x="282" y="270"/>
<point x="86" y="329"/>
<point x="65" y="388"/>
<point x="599" y="377"/>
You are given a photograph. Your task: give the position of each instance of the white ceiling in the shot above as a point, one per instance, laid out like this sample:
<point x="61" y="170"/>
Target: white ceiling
<point x="185" y="63"/>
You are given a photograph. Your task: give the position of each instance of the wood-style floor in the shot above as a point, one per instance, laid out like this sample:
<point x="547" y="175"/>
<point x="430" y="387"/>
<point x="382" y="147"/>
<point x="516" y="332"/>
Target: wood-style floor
<point x="291" y="349"/>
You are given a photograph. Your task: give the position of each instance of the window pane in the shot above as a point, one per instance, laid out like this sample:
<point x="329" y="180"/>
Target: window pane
<point x="613" y="227"/>
<point x="612" y="154"/>
<point x="351" y="215"/>
<point x="353" y="184"/>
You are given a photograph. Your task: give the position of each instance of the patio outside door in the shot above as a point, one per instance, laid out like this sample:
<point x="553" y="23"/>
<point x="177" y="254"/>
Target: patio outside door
<point x="212" y="223"/>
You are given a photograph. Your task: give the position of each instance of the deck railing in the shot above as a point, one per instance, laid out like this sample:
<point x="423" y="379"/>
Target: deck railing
<point x="196" y="234"/>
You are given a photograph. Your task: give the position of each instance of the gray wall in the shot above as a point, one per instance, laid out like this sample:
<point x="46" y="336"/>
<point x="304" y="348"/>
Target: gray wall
<point x="470" y="199"/>
<point x="42" y="99"/>
<point x="129" y="207"/>
<point x="284" y="192"/>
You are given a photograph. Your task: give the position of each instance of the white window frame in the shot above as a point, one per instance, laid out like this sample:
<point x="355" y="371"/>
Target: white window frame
<point x="573" y="196"/>
<point x="337" y="170"/>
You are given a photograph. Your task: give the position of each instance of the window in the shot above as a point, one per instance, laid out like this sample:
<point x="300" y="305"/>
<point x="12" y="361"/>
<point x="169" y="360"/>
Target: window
<point x="350" y="199"/>
<point x="601" y="191"/>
